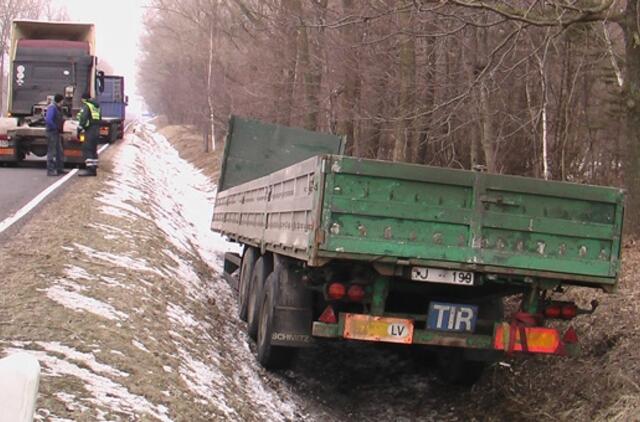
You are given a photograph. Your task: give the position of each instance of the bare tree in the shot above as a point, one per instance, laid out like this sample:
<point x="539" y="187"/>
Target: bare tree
<point x="529" y="88"/>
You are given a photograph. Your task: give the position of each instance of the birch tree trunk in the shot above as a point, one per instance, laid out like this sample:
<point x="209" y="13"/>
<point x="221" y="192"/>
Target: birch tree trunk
<point x="210" y="90"/>
<point x="542" y="65"/>
<point x="487" y="135"/>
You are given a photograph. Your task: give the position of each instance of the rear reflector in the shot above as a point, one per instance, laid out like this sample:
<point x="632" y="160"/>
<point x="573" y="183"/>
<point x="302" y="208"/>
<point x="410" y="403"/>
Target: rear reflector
<point x="328" y="316"/>
<point x="72" y="153"/>
<point x="538" y="339"/>
<point x="570" y="337"/>
<point x="7" y="151"/>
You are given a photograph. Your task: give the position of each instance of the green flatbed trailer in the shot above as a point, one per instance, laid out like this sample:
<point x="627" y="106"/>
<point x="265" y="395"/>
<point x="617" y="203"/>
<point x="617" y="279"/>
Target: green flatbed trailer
<point x="358" y="249"/>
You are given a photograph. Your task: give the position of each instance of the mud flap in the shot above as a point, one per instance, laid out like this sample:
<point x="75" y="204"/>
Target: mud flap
<point x="293" y="316"/>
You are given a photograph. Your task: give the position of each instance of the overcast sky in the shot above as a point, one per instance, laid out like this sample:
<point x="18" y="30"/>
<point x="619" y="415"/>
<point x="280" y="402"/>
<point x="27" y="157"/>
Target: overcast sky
<point x="118" y="28"/>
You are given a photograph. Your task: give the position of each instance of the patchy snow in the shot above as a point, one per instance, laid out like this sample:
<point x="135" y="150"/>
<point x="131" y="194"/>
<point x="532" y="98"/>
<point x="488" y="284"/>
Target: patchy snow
<point x="71" y="402"/>
<point x="181" y="317"/>
<point x="72" y="286"/>
<point x="105" y="392"/>
<point x="76" y="301"/>
<point x="185" y="275"/>
<point x="139" y="264"/>
<point x="114" y="282"/>
<point x="204" y="379"/>
<point x="140" y="346"/>
<point x="117" y="212"/>
<point x="87" y="358"/>
<point x="111" y="230"/>
<point x="77" y="273"/>
<point x="173" y="289"/>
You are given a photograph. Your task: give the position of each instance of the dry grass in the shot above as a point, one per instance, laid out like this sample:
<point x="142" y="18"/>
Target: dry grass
<point x="188" y="141"/>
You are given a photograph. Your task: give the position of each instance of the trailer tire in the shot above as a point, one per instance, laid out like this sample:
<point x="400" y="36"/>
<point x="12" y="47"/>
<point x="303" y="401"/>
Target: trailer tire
<point x="249" y="259"/>
<point x="261" y="271"/>
<point x="270" y="356"/>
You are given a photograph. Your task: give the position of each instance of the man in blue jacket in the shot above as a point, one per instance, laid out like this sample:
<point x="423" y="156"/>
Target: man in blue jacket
<point x="54" y="122"/>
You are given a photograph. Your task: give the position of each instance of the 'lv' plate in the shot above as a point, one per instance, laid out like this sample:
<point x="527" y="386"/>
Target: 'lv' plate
<point x="374" y="328"/>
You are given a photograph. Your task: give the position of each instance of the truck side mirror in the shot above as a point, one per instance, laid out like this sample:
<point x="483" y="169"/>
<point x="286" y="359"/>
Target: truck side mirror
<point x="101" y="81"/>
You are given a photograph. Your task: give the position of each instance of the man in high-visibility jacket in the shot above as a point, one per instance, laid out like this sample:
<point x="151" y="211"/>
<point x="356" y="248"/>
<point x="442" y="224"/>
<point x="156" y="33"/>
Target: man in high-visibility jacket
<point x="89" y="126"/>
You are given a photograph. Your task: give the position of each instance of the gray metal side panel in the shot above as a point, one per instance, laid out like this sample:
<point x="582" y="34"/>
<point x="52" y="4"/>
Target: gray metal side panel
<point x="277" y="211"/>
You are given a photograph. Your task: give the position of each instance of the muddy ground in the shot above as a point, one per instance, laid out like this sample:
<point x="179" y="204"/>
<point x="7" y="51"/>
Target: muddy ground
<point x="116" y="291"/>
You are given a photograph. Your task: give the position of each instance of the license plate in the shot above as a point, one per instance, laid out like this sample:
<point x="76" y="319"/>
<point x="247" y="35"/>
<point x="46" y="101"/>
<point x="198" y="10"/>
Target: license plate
<point x="452" y="317"/>
<point x="373" y="328"/>
<point x="4" y="144"/>
<point x="438" y="275"/>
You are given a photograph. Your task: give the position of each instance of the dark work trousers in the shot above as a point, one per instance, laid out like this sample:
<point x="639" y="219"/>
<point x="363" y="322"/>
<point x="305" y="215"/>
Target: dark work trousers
<point x="90" y="147"/>
<point x="55" y="157"/>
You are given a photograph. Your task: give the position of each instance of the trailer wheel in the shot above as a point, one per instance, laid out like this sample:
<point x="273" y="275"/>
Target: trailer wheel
<point x="246" y="270"/>
<point x="261" y="271"/>
<point x="270" y="356"/>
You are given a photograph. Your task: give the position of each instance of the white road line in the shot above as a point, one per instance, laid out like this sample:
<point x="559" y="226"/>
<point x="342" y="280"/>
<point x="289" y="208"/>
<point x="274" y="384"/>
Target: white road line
<point x="102" y="148"/>
<point x="9" y="221"/>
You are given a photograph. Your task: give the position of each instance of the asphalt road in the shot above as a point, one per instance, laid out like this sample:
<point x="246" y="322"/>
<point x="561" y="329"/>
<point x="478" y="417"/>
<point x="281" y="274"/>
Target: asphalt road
<point x="19" y="185"/>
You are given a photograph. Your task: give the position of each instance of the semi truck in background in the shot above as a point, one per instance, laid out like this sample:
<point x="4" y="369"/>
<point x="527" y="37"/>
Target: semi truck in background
<point x="113" y="103"/>
<point x="46" y="58"/>
<point x="344" y="248"/>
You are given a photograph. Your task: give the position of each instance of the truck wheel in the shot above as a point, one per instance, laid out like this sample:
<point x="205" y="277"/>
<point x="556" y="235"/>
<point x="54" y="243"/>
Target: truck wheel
<point x="454" y="369"/>
<point x="261" y="271"/>
<point x="269" y="356"/>
<point x="248" y="262"/>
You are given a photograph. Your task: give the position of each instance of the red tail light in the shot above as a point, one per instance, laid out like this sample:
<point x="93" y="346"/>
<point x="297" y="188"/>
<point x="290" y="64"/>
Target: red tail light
<point x="552" y="311"/>
<point x="356" y="293"/>
<point x="3" y="136"/>
<point x="336" y="291"/>
<point x="569" y="311"/>
<point x="560" y="310"/>
<point x="328" y="316"/>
